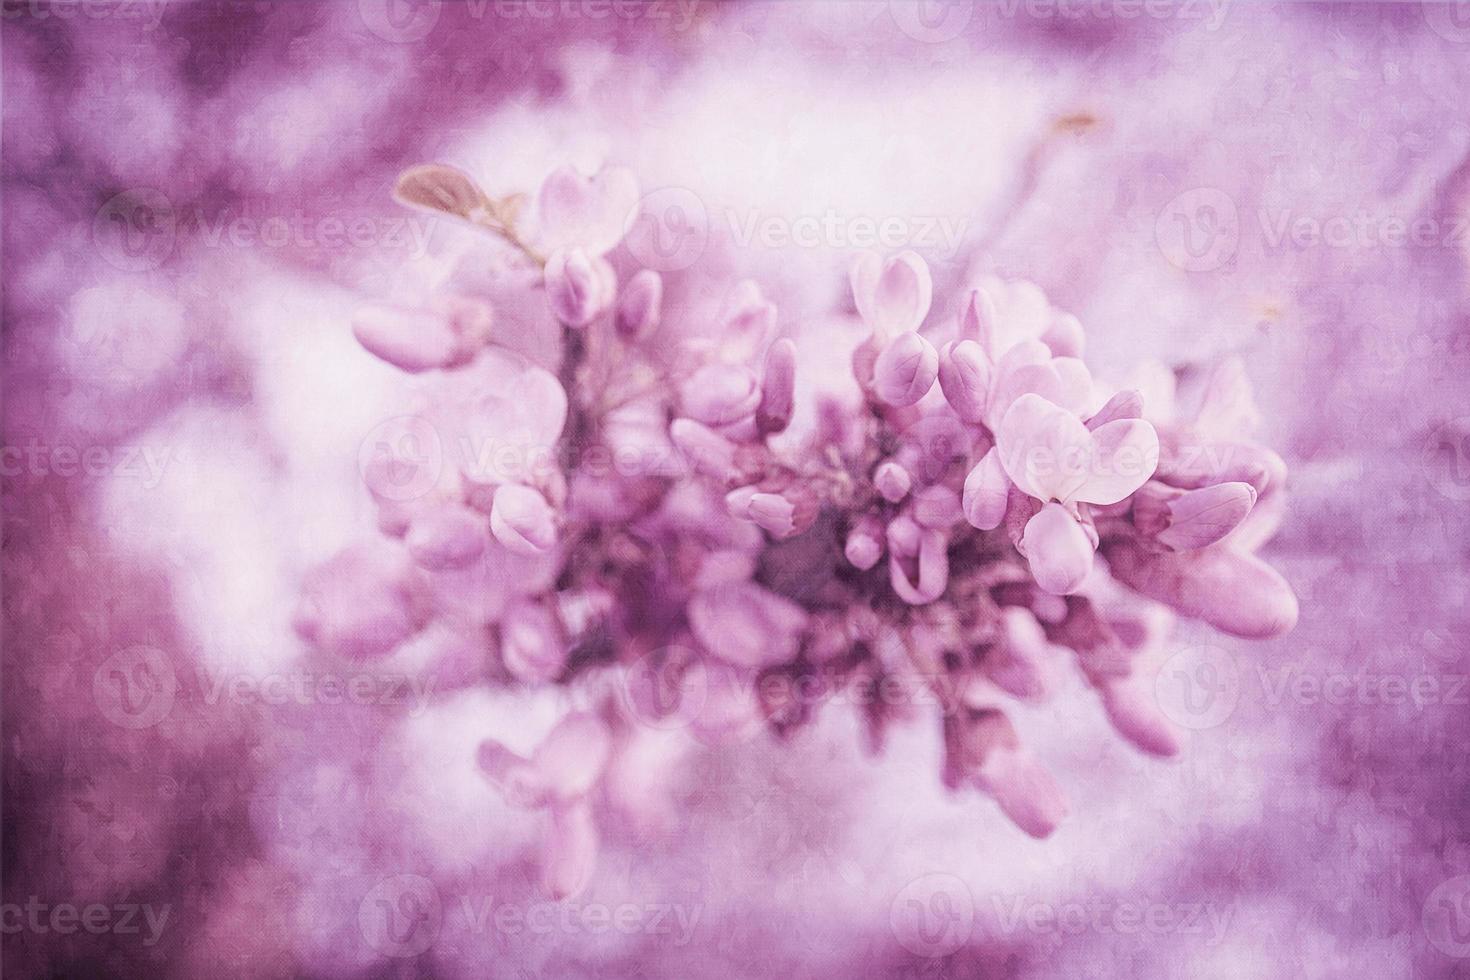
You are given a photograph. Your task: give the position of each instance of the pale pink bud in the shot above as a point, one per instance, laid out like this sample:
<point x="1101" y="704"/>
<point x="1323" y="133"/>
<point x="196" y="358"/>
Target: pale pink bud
<point x="1133" y="708"/>
<point x="720" y="395"/>
<point x="448" y="536"/>
<point x="964" y="377"/>
<point x="748" y="323"/>
<point x="522" y="520"/>
<point x="774" y="513"/>
<point x="778" y="388"/>
<point x="933" y="570"/>
<point x="1236" y="593"/>
<point x="977" y="322"/>
<point x="936" y="506"/>
<point x="707" y="451"/>
<point x="892" y="481"/>
<point x="1018" y="663"/>
<point x="570" y="850"/>
<point x="903" y="536"/>
<point x="737" y="502"/>
<point x="1199" y="518"/>
<point x="1064" y="336"/>
<point x="578" y="286"/>
<point x="641" y="306"/>
<point x="1058" y="550"/>
<point x="986" y="492"/>
<point x="1026" y="792"/>
<point x="413" y="340"/>
<point x="746" y="625"/>
<point x="788" y="513"/>
<point x="864" y="545"/>
<point x="1126" y="404"/>
<point x="905" y="370"/>
<point x="529" y="645"/>
<point x="892" y="296"/>
<point x="574" y="754"/>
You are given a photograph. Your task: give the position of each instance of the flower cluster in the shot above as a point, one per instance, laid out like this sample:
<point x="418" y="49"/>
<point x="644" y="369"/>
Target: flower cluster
<point x="669" y="503"/>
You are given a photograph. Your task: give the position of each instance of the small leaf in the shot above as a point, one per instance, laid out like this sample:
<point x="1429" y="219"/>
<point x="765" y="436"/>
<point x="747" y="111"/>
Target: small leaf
<point x="441" y="189"/>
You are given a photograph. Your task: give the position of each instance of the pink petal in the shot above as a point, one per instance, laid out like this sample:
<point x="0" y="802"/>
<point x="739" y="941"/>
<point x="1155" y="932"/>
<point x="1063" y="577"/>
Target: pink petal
<point x="892" y="481"/>
<point x="574" y="754"/>
<point x="362" y="603"/>
<point x="778" y="388"/>
<point x="641" y="306"/>
<point x="412" y="340"/>
<point x="933" y="570"/>
<point x="977" y="322"/>
<point x="447" y="536"/>
<point x="706" y="450"/>
<point x="1124" y="405"/>
<point x="986" y="490"/>
<point x="1199" y="518"/>
<point x="905" y="370"/>
<point x="1045" y="450"/>
<point x="746" y="625"/>
<point x="1026" y="792"/>
<point x="522" y="520"/>
<point x="530" y="647"/>
<point x="1125" y="454"/>
<point x="1236" y="593"/>
<point x="965" y="375"/>
<point x="591" y="213"/>
<point x="1133" y="708"/>
<point x="1064" y="336"/>
<point x="720" y="394"/>
<point x="1227" y="407"/>
<point x="570" y="854"/>
<point x="903" y="293"/>
<point x="1058" y="550"/>
<point x="577" y="286"/>
<point x="521" y="782"/>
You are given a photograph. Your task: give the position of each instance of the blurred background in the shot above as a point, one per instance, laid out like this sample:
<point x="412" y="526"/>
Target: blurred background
<point x="196" y="198"/>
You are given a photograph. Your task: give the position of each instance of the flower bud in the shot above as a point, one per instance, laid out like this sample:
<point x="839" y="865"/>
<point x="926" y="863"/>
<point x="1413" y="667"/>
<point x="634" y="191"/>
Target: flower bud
<point x="411" y="340"/>
<point x="522" y="520"/>
<point x="1199" y="518"/>
<point x="964" y="377"/>
<point x="529" y="645"/>
<point x="905" y="370"/>
<point x="893" y="296"/>
<point x="864" y="545"/>
<point x="448" y="536"/>
<point x="933" y="568"/>
<point x="641" y="306"/>
<point x="936" y="506"/>
<point x="1236" y="593"/>
<point x="1064" y="336"/>
<point x="578" y="286"/>
<point x="977" y="322"/>
<point x="986" y="492"/>
<point x="778" y="388"/>
<point x="707" y="451"/>
<point x="737" y="502"/>
<point x="783" y="514"/>
<point x="1058" y="550"/>
<point x="892" y="481"/>
<point x="747" y="324"/>
<point x="1133" y="708"/>
<point x="573" y="755"/>
<point x="570" y="850"/>
<point x="720" y="395"/>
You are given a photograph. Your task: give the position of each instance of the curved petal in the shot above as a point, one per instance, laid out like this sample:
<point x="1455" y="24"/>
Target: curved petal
<point x="1125" y="454"/>
<point x="986" y="491"/>
<point x="1045" y="450"/>
<point x="1058" y="550"/>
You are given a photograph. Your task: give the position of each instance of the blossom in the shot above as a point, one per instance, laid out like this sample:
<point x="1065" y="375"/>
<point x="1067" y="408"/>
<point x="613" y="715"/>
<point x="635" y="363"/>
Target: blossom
<point x="660" y="521"/>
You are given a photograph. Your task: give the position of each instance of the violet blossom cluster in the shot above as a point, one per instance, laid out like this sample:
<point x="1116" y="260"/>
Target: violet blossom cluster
<point x="983" y="509"/>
